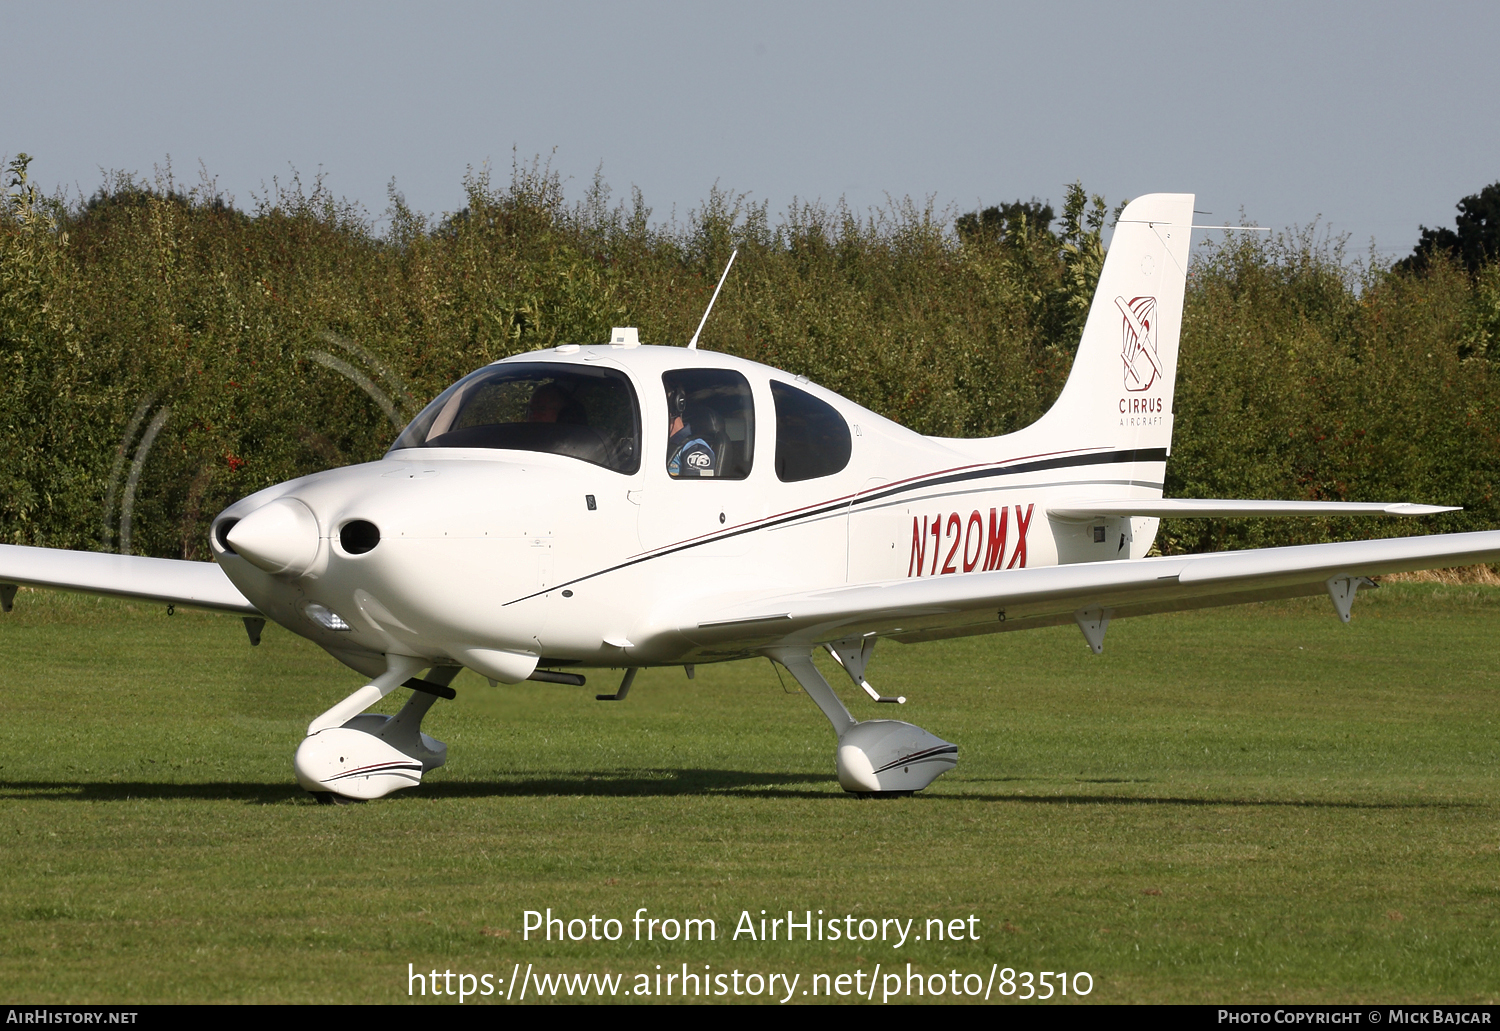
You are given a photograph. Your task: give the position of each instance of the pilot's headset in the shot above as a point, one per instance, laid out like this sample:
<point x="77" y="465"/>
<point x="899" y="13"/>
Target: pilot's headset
<point x="677" y="403"/>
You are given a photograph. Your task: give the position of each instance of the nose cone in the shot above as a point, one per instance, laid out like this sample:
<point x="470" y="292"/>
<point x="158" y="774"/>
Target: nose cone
<point x="281" y="537"/>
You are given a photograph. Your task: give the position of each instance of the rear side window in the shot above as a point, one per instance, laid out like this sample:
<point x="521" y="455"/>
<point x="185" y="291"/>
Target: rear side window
<point x="812" y="438"/>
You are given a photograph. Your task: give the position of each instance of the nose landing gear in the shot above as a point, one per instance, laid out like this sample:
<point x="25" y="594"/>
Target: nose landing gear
<point x="350" y="755"/>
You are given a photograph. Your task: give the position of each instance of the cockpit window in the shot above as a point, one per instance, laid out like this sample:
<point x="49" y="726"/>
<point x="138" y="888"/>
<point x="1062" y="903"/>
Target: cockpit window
<point x="710" y="424"/>
<point x="578" y="411"/>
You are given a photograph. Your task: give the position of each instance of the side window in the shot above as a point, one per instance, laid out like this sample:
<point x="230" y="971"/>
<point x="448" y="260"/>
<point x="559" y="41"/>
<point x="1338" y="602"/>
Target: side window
<point x="710" y="424"/>
<point x="812" y="439"/>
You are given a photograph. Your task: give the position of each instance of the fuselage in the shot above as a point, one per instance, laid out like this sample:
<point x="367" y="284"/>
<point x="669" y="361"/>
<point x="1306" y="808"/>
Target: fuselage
<point x="485" y="552"/>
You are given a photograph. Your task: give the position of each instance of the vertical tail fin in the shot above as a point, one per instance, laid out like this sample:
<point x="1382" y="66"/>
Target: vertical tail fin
<point x="1119" y="394"/>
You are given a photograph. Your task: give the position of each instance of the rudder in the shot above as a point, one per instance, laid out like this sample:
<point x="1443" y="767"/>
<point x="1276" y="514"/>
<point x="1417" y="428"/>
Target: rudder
<point x="1119" y="393"/>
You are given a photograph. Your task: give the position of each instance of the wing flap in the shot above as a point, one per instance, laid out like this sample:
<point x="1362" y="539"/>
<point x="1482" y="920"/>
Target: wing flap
<point x="201" y="585"/>
<point x="990" y="625"/>
<point x="1363" y="558"/>
<point x="924" y="609"/>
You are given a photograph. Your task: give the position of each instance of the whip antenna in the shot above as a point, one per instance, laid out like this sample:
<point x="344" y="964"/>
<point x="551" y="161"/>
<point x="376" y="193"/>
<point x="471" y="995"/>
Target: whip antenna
<point x="693" y="343"/>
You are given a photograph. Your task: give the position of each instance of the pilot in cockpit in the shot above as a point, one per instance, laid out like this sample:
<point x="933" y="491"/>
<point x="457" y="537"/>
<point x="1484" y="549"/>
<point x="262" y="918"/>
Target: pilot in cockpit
<point x="547" y="403"/>
<point x="551" y="403"/>
<point x="688" y="453"/>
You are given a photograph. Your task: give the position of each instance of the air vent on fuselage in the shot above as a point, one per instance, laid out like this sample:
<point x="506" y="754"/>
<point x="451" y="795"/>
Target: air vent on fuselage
<point x="359" y="536"/>
<point x="221" y="534"/>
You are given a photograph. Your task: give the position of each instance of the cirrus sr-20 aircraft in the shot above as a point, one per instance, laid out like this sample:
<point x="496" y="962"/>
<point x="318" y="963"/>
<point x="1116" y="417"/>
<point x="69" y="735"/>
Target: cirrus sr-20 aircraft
<point x="623" y="506"/>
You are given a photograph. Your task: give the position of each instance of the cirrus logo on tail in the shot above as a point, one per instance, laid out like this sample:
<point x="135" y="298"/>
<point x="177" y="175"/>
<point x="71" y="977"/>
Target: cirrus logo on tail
<point x="1138" y="344"/>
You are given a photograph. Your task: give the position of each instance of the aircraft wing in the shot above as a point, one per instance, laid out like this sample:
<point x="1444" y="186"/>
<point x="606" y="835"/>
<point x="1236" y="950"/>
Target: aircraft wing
<point x="1214" y="508"/>
<point x="200" y="585"/>
<point x="928" y="608"/>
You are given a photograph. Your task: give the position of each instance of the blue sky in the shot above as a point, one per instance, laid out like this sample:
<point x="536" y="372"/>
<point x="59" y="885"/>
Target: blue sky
<point x="1375" y="117"/>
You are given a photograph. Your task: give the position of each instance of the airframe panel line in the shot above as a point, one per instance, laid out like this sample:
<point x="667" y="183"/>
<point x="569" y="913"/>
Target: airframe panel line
<point x="1018" y="486"/>
<point x="840" y="513"/>
<point x="843" y="504"/>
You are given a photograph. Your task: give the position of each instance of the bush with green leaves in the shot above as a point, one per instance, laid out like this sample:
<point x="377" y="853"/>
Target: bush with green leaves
<point x="165" y="353"/>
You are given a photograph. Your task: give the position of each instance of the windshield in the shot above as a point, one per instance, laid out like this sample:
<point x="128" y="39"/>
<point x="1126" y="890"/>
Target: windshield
<point x="573" y="410"/>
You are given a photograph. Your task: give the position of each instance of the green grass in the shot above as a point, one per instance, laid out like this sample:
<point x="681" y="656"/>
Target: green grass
<point x="1255" y="804"/>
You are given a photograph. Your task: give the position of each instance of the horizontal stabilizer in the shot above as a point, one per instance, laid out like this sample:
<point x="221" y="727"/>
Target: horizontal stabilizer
<point x="200" y="585"/>
<point x="1218" y="508"/>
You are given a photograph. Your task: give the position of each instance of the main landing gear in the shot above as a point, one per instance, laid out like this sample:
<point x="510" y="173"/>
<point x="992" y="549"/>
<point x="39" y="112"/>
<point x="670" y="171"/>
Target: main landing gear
<point x="350" y="754"/>
<point x="874" y="757"/>
<point x="353" y="755"/>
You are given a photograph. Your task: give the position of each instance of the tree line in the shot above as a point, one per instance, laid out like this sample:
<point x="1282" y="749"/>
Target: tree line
<point x="164" y="353"/>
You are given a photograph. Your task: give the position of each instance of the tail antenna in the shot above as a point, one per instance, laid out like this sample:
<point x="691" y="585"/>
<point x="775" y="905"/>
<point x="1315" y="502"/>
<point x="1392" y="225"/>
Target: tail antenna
<point x="693" y="343"/>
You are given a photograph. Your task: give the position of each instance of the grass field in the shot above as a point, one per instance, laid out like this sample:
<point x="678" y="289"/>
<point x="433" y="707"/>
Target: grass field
<point x="1253" y="804"/>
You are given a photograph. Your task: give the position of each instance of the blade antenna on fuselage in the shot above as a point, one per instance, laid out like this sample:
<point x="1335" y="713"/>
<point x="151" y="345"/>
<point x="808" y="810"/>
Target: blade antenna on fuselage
<point x="693" y="343"/>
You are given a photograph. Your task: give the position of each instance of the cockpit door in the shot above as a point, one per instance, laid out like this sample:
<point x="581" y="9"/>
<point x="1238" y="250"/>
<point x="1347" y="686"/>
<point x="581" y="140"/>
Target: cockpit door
<point x="696" y="487"/>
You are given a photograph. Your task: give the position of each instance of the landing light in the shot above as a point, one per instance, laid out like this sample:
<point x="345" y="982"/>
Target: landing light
<point x="326" y="618"/>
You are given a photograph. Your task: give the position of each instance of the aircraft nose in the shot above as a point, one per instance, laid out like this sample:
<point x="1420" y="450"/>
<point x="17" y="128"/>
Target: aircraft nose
<point x="280" y="537"/>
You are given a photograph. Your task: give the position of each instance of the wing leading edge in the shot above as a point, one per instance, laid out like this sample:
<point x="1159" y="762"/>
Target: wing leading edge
<point x="201" y="585"/>
<point x="977" y="603"/>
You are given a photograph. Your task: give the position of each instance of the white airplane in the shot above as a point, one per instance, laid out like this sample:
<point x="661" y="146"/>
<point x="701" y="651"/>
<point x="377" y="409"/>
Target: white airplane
<point x="623" y="506"/>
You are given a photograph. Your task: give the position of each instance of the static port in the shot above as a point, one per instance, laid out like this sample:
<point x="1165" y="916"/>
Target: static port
<point x="359" y="537"/>
<point x="221" y="534"/>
